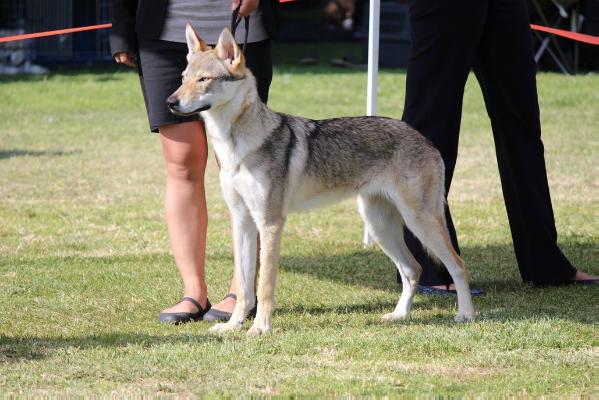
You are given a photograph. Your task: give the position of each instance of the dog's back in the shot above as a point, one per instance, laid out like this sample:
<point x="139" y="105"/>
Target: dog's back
<point x="352" y="150"/>
<point x="313" y="162"/>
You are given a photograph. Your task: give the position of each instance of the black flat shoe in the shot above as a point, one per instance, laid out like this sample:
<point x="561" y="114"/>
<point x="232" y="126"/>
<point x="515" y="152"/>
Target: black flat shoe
<point x="218" y="315"/>
<point x="177" y="318"/>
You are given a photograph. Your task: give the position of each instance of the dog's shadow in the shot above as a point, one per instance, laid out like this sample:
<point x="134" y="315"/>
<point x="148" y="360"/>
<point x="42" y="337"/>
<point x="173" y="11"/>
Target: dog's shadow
<point x="492" y="268"/>
<point x="13" y="153"/>
<point x="16" y="349"/>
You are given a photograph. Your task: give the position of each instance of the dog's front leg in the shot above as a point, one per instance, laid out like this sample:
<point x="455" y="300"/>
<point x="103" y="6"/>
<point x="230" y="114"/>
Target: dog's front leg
<point x="244" y="238"/>
<point x="270" y="247"/>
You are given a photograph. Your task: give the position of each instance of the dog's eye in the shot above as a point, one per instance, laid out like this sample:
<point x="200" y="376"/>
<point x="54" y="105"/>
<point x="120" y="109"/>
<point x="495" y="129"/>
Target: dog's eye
<point x="203" y="79"/>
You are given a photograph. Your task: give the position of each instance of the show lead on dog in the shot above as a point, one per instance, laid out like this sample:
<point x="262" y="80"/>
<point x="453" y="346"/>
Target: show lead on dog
<point x="150" y="34"/>
<point x="492" y="37"/>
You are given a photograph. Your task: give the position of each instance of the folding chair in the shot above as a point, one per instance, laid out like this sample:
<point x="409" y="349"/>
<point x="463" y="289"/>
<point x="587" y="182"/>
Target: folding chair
<point x="563" y="10"/>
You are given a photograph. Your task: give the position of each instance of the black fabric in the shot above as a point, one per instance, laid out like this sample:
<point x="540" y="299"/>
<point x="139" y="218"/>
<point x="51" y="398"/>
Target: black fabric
<point x="160" y="67"/>
<point x="492" y="37"/>
<point x="271" y="17"/>
<point x="122" y="33"/>
<point x="145" y="18"/>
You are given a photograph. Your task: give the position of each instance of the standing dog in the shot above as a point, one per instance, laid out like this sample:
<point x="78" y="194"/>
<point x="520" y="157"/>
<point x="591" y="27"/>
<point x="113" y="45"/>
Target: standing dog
<point x="273" y="164"/>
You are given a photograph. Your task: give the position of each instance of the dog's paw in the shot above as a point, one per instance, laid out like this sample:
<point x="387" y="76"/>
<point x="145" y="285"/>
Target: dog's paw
<point x="394" y="317"/>
<point x="256" y="330"/>
<point x="225" y="327"/>
<point x="464" y="318"/>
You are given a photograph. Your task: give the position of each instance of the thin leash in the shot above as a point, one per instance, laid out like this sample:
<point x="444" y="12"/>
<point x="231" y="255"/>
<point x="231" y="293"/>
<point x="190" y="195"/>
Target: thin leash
<point x="235" y="20"/>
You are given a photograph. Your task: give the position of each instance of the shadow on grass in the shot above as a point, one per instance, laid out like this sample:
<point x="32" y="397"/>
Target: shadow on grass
<point x="16" y="349"/>
<point x="372" y="307"/>
<point x="493" y="267"/>
<point x="573" y="305"/>
<point x="4" y="154"/>
<point x="507" y="298"/>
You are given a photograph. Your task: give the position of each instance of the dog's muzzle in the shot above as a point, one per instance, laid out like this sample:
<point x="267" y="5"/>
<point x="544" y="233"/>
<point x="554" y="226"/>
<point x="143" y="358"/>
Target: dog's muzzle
<point x="172" y="103"/>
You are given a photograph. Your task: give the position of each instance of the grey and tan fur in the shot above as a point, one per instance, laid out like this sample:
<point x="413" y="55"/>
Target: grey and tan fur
<point x="273" y="164"/>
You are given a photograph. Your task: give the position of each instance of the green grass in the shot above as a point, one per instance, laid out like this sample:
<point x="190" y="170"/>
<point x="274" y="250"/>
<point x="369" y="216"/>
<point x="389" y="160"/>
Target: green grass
<point x="85" y="263"/>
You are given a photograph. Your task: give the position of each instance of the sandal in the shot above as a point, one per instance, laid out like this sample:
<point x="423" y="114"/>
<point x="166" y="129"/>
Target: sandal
<point x="177" y="318"/>
<point x="585" y="282"/>
<point x="218" y="315"/>
<point x="431" y="291"/>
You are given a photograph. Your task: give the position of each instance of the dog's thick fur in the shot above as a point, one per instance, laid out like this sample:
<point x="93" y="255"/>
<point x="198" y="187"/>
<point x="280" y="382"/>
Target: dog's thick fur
<point x="273" y="164"/>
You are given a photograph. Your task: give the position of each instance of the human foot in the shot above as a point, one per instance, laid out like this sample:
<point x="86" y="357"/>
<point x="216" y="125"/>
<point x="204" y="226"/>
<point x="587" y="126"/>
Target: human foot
<point x="585" y="278"/>
<point x="188" y="306"/>
<point x="445" y="287"/>
<point x="223" y="310"/>
<point x="227" y="304"/>
<point x="180" y="317"/>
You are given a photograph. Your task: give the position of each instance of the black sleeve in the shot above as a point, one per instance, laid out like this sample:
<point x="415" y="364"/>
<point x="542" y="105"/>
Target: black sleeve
<point x="270" y="16"/>
<point x="122" y="34"/>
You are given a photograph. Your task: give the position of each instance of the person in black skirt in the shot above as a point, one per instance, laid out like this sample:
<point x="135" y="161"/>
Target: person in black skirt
<point x="493" y="38"/>
<point x="150" y="35"/>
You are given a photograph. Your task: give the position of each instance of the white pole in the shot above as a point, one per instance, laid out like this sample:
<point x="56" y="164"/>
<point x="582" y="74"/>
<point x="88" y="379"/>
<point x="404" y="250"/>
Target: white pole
<point x="373" y="55"/>
<point x="373" y="71"/>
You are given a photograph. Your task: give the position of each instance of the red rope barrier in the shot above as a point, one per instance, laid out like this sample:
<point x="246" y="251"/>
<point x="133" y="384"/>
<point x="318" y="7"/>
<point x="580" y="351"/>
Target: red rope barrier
<point x="580" y="37"/>
<point x="53" y="33"/>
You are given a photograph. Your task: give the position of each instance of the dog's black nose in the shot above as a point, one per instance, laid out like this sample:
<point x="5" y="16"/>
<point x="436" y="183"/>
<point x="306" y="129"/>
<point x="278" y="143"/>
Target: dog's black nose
<point x="172" y="102"/>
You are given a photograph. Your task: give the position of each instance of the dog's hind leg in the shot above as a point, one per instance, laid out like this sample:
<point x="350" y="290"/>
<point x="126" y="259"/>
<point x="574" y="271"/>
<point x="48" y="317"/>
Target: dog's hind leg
<point x="385" y="225"/>
<point x="270" y="248"/>
<point x="426" y="220"/>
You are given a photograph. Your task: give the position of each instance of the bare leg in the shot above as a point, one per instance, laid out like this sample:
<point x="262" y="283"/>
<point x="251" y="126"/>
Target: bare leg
<point x="185" y="151"/>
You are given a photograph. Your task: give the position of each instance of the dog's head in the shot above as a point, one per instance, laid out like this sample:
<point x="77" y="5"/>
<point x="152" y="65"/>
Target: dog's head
<point x="212" y="76"/>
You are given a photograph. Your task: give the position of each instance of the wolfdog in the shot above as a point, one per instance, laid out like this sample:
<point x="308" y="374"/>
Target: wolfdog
<point x="273" y="164"/>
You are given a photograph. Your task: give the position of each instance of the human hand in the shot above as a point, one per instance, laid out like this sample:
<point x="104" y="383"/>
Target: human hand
<point x="247" y="6"/>
<point x="126" y="58"/>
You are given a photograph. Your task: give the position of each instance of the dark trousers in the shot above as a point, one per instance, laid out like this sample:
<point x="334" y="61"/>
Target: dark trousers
<point x="258" y="58"/>
<point x="492" y="37"/>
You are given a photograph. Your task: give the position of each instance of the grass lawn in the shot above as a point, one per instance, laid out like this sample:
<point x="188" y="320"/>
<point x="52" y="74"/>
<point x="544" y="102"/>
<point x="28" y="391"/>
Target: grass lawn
<point x="85" y="263"/>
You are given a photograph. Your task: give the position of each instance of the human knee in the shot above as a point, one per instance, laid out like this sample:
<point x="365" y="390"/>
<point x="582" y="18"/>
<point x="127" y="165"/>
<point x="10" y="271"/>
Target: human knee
<point x="189" y="169"/>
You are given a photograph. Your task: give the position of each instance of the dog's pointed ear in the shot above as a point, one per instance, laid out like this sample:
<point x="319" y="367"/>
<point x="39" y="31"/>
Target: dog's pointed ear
<point x="228" y="50"/>
<point x="194" y="43"/>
